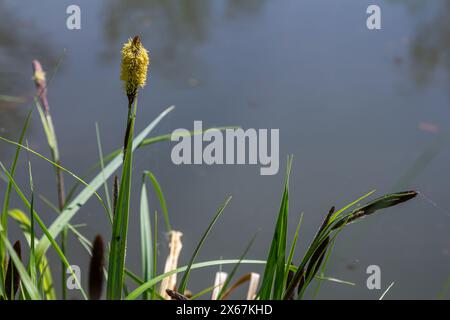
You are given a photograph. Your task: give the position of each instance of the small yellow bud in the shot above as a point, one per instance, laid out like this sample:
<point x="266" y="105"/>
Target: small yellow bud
<point x="39" y="74"/>
<point x="41" y="84"/>
<point x="135" y="61"/>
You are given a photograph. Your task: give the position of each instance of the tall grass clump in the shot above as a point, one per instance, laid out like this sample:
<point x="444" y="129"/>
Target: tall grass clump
<point x="43" y="107"/>
<point x="25" y="272"/>
<point x="135" y="61"/>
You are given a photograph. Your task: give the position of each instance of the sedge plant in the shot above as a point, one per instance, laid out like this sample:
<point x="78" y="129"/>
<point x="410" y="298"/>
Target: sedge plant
<point x="283" y="276"/>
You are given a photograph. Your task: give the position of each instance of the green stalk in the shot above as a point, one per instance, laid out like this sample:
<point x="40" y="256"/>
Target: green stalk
<point x="120" y="223"/>
<point x="4" y="217"/>
<point x="52" y="140"/>
<point x="146" y="239"/>
<point x="47" y="234"/>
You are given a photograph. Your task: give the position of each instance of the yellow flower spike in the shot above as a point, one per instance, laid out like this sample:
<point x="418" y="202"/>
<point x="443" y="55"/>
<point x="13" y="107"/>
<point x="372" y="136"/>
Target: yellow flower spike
<point x="39" y="75"/>
<point x="135" y="61"/>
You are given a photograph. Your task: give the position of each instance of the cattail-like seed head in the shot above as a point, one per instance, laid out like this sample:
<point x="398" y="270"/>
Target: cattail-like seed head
<point x="135" y="61"/>
<point x="96" y="269"/>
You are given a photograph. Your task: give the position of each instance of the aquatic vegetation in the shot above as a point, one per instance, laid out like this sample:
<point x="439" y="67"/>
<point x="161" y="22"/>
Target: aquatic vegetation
<point x="134" y="73"/>
<point x="283" y="278"/>
<point x="135" y="61"/>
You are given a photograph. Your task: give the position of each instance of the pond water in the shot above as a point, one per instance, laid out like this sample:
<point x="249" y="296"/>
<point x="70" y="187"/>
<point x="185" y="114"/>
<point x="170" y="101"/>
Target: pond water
<point x="358" y="109"/>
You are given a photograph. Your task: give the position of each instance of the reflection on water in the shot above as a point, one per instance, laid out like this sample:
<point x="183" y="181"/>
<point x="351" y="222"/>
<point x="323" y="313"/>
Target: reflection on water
<point x="12" y="118"/>
<point x="349" y="132"/>
<point x="174" y="28"/>
<point x="430" y="44"/>
<point x="236" y="8"/>
<point x="20" y="42"/>
<point x="429" y="51"/>
<point x="430" y="48"/>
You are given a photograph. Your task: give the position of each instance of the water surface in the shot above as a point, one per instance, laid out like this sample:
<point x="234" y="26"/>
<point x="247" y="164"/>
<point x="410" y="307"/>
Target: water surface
<point x="355" y="107"/>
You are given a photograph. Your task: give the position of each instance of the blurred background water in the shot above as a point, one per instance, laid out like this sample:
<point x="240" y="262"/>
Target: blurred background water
<point x="358" y="109"/>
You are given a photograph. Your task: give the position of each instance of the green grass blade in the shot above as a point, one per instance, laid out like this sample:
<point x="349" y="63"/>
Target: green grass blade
<point x="85" y="243"/>
<point x="203" y="292"/>
<point x="32" y="266"/>
<point x="148" y="141"/>
<point x="331" y="279"/>
<point x="274" y="273"/>
<point x="322" y="270"/>
<point x="120" y="223"/>
<point x="234" y="270"/>
<point x="46" y="232"/>
<point x="185" y="278"/>
<point x="146" y="240"/>
<point x="25" y="279"/>
<point x="380" y="203"/>
<point x="351" y="204"/>
<point x="102" y="166"/>
<point x="162" y="200"/>
<point x="46" y="281"/>
<point x="4" y="217"/>
<point x="314" y="255"/>
<point x="73" y="207"/>
<point x="292" y="250"/>
<point x="56" y="165"/>
<point x="142" y="288"/>
<point x="155" y="251"/>
<point x="161" y="138"/>
<point x="338" y="221"/>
